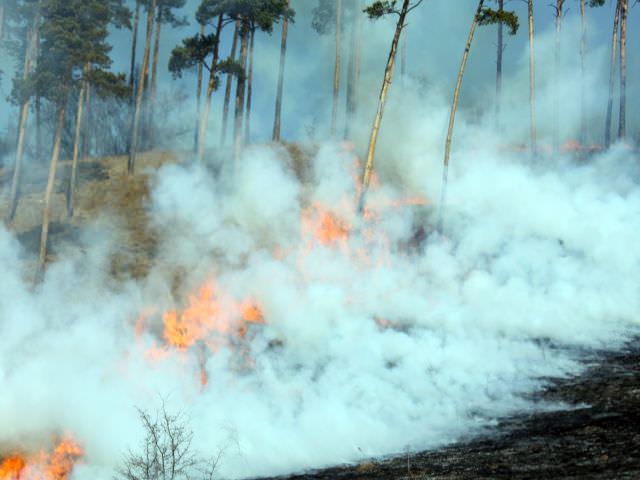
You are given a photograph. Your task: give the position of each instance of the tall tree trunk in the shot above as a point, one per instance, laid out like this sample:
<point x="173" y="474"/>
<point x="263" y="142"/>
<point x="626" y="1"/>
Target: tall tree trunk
<point x="283" y="54"/>
<point x="44" y="236"/>
<point x="240" y="90"/>
<point x="583" y="53"/>
<point x="386" y="83"/>
<point x="211" y="85"/>
<point x="198" y="96"/>
<point x="624" y="8"/>
<point x="499" y="66"/>
<point x="336" y="70"/>
<point x="145" y="67"/>
<point x="134" y="43"/>
<point x="154" y="83"/>
<point x="71" y="189"/>
<point x="30" y="51"/>
<point x="353" y="71"/>
<point x="86" y="131"/>
<point x="1" y="21"/>
<point x="247" y="124"/>
<point x="612" y="76"/>
<point x="452" y="116"/>
<point x="532" y="80"/>
<point x="227" y="90"/>
<point x="556" y="103"/>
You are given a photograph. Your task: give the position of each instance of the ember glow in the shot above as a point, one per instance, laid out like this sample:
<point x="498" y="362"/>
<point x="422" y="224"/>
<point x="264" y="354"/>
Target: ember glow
<point x="56" y="465"/>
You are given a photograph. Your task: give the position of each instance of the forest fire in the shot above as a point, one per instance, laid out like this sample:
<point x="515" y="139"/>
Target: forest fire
<point x="324" y="226"/>
<point x="211" y="320"/>
<point x="56" y="465"/>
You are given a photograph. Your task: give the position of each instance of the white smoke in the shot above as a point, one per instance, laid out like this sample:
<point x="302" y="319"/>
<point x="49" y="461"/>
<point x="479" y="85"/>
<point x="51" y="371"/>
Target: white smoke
<point x="369" y="347"/>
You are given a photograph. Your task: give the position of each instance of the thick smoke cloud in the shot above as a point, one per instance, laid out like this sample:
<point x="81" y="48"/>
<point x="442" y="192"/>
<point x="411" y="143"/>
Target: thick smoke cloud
<point x="368" y="347"/>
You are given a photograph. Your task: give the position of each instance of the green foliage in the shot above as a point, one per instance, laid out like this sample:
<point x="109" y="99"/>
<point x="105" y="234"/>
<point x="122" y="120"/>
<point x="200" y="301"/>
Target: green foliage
<point x="166" y="14"/>
<point x="193" y="51"/>
<point x="261" y="14"/>
<point x="488" y="16"/>
<point x="380" y="8"/>
<point x="596" y="3"/>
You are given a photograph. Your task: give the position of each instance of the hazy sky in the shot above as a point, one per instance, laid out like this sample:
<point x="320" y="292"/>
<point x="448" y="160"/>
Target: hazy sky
<point x="435" y="36"/>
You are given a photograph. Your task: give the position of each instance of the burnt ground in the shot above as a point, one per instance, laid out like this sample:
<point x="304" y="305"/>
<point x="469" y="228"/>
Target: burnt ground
<point x="596" y="437"/>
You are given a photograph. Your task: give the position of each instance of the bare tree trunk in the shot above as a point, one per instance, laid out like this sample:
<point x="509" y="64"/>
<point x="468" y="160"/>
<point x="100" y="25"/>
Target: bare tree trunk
<point x="353" y="71"/>
<point x="240" y="90"/>
<point x="30" y="51"/>
<point x="1" y="21"/>
<point x="386" y="83"/>
<point x="556" y="103"/>
<point x="583" y="53"/>
<point x="211" y="85"/>
<point x="624" y="8"/>
<point x="154" y="83"/>
<point x="499" y="66"/>
<point x="38" y="109"/>
<point x="612" y="76"/>
<point x="227" y="90"/>
<point x="247" y="125"/>
<point x="198" y="96"/>
<point x="336" y="70"/>
<point x="145" y="67"/>
<point x="134" y="43"/>
<point x="86" y="132"/>
<point x="283" y="54"/>
<point x="452" y="116"/>
<point x="532" y="80"/>
<point x="49" y="191"/>
<point x="76" y="147"/>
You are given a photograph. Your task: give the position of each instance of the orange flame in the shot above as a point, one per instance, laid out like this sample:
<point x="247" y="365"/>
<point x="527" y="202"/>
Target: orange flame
<point x="57" y="465"/>
<point x="324" y="226"/>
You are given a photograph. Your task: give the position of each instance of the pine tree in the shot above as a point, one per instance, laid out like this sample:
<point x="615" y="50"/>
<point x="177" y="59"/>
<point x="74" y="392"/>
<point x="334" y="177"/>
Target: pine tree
<point x="376" y="10"/>
<point x="135" y="124"/>
<point x="30" y="14"/>
<point x="283" y="54"/>
<point x="73" y="34"/>
<point x="483" y="16"/>
<point x="622" y="122"/>
<point x="612" y="75"/>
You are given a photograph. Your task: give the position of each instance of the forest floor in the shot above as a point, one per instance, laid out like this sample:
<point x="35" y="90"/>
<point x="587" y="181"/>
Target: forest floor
<point x="596" y="437"/>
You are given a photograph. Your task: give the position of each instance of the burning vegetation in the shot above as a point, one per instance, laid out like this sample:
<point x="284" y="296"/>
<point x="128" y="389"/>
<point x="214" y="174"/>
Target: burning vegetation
<point x="55" y="465"/>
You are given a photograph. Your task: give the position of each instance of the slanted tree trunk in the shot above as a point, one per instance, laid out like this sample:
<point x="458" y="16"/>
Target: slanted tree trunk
<point x="556" y="103"/>
<point x="76" y="146"/>
<point x="283" y="54"/>
<point x="30" y="51"/>
<point x="134" y="43"/>
<point x="240" y="89"/>
<point x="612" y="76"/>
<point x="336" y="70"/>
<point x="452" y="116"/>
<point x="145" y="67"/>
<point x="211" y="85"/>
<point x="386" y="83"/>
<point x="624" y="9"/>
<point x="583" y="53"/>
<point x="44" y="236"/>
<point x="247" y="125"/>
<point x="198" y="96"/>
<point x="154" y="83"/>
<point x="499" y="66"/>
<point x="227" y="90"/>
<point x="532" y="80"/>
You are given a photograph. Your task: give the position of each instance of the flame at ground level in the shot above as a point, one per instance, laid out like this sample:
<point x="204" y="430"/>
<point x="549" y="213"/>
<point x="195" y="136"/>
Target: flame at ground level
<point x="56" y="465"/>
